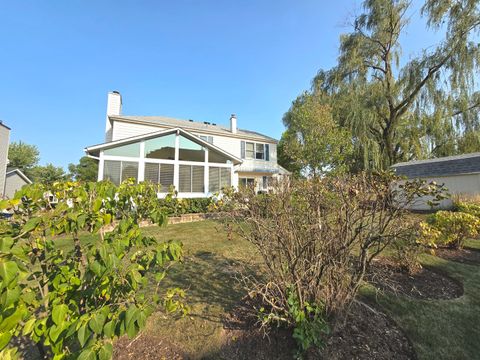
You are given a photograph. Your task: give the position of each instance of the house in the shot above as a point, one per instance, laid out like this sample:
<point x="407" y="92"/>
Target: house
<point x="460" y="174"/>
<point x="197" y="158"/>
<point x="4" y="142"/>
<point x="15" y="179"/>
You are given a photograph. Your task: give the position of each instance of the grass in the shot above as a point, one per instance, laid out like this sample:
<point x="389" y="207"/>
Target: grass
<point x="438" y="329"/>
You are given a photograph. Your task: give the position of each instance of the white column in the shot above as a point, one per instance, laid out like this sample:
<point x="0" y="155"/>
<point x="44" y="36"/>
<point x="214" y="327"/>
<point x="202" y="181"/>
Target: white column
<point x="101" y="164"/>
<point x="234" y="177"/>
<point x="141" y="163"/>
<point x="176" y="166"/>
<point x="206" y="173"/>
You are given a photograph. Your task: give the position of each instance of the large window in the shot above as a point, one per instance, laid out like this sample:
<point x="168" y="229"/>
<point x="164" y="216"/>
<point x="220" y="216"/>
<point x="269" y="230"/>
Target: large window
<point x="250" y="150"/>
<point x="260" y="151"/>
<point x="118" y="171"/>
<point x="244" y="182"/>
<point x="216" y="157"/>
<point x="190" y="151"/>
<point x="161" y="148"/>
<point x="129" y="150"/>
<point x="159" y="174"/>
<point x="191" y="179"/>
<point x="219" y="178"/>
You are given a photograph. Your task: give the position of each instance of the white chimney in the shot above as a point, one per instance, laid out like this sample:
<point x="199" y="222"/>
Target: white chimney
<point x="114" y="107"/>
<point x="233" y="123"/>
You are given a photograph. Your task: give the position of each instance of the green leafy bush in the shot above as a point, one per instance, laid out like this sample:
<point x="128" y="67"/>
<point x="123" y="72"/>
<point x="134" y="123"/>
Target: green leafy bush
<point x="449" y="228"/>
<point x="72" y="298"/>
<point x="468" y="208"/>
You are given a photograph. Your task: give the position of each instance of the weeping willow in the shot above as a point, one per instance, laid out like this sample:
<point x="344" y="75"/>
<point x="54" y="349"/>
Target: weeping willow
<point x="398" y="109"/>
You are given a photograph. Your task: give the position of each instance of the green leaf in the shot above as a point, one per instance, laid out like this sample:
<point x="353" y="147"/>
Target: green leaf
<point x="83" y="334"/>
<point x="59" y="313"/>
<point x="54" y="332"/>
<point x="4" y="339"/>
<point x="6" y="244"/>
<point x="28" y="327"/>
<point x="8" y="271"/>
<point x="106" y="352"/>
<point x="109" y="329"/>
<point x="31" y="224"/>
<point x="87" y="354"/>
<point x="96" y="323"/>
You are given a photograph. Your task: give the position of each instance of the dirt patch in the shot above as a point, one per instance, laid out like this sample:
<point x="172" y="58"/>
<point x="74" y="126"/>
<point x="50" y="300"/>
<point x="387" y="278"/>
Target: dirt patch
<point x="424" y="284"/>
<point x="464" y="256"/>
<point x="145" y="347"/>
<point x="368" y="335"/>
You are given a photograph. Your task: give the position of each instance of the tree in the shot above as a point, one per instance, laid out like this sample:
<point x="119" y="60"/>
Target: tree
<point x="399" y="109"/>
<point x="85" y="170"/>
<point x="313" y="143"/>
<point x="47" y="174"/>
<point x="23" y="156"/>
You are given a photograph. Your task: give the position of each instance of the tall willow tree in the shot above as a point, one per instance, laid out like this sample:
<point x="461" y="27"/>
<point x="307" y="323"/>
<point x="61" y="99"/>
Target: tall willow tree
<point x="399" y="110"/>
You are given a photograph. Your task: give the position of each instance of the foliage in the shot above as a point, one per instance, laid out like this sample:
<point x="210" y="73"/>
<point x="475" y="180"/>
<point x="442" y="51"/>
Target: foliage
<point x="23" y="156"/>
<point x="399" y="106"/>
<point x="468" y="208"/>
<point x="313" y="143"/>
<point x="317" y="238"/>
<point x="449" y="228"/>
<point x="74" y="301"/>
<point x="406" y="251"/>
<point x="47" y="174"/>
<point x="85" y="170"/>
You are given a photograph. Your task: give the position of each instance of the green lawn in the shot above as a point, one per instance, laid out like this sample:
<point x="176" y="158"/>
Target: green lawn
<point x="445" y="329"/>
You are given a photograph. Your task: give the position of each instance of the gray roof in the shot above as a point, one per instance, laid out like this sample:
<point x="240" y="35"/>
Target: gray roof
<point x="192" y="125"/>
<point x="444" y="166"/>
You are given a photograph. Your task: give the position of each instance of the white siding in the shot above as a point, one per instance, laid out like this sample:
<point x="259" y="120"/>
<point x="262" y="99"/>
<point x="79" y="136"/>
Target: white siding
<point x="4" y="141"/>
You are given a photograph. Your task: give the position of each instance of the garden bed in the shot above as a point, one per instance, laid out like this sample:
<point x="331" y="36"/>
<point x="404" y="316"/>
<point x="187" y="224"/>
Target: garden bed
<point x="424" y="284"/>
<point x="464" y="256"/>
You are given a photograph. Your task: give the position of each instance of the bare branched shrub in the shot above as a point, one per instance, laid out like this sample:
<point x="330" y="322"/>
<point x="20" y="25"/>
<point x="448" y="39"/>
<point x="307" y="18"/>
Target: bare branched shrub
<point x="317" y="239"/>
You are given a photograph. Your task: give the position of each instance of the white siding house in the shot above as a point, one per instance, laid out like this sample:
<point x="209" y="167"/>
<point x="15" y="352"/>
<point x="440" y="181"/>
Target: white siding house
<point x="459" y="174"/>
<point x="196" y="158"/>
<point x="4" y="142"/>
<point x="15" y="179"/>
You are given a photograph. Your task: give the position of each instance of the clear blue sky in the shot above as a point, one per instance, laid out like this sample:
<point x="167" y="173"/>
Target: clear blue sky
<point x="200" y="60"/>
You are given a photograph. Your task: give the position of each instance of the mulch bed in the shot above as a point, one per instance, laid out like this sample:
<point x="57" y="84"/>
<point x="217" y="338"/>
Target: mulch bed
<point x="145" y="347"/>
<point x="424" y="284"/>
<point x="464" y="256"/>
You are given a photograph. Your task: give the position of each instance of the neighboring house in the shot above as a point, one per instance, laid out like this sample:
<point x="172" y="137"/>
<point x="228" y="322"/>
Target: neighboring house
<point x="460" y="175"/>
<point x="197" y="158"/>
<point x="4" y="142"/>
<point x="15" y="179"/>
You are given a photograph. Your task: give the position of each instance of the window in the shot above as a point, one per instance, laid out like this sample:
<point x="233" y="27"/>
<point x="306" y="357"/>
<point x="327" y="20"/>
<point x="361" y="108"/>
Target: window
<point x="161" y="148"/>
<point x="259" y="151"/>
<point x="129" y="150"/>
<point x="244" y="182"/>
<point x="216" y="157"/>
<point x="119" y="171"/>
<point x="191" y="178"/>
<point x="190" y="151"/>
<point x="159" y="174"/>
<point x="219" y="178"/>
<point x="250" y="150"/>
<point x="266" y="180"/>
<point x="206" y="138"/>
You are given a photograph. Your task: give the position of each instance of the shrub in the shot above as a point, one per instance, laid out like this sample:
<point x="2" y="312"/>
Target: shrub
<point x="449" y="228"/>
<point x="468" y="208"/>
<point x="317" y="239"/>
<point x="407" y="250"/>
<point x="73" y="300"/>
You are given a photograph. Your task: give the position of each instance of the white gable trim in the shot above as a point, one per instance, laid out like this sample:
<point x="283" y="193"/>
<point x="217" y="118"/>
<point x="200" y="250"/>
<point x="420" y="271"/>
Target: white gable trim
<point x="21" y="174"/>
<point x="151" y="135"/>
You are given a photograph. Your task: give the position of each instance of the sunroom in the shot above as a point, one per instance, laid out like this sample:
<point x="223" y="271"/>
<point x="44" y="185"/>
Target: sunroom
<point x="174" y="157"/>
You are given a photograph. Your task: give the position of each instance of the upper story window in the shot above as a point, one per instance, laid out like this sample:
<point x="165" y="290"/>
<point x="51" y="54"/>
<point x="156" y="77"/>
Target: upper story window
<point x="257" y="151"/>
<point x="206" y="138"/>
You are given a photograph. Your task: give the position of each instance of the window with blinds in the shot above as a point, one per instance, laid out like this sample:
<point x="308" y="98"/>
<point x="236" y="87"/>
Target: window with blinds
<point x="191" y="178"/>
<point x="219" y="178"/>
<point x="159" y="174"/>
<point x="118" y="171"/>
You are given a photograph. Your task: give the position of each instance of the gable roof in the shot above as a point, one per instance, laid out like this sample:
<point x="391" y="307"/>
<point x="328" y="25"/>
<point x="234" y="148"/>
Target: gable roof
<point x="192" y="125"/>
<point x="95" y="149"/>
<point x="19" y="173"/>
<point x="444" y="166"/>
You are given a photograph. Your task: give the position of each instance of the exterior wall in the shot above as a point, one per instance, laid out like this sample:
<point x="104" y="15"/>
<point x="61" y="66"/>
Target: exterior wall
<point x="4" y="142"/>
<point x="13" y="183"/>
<point x="457" y="185"/>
